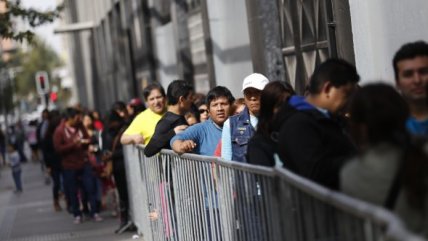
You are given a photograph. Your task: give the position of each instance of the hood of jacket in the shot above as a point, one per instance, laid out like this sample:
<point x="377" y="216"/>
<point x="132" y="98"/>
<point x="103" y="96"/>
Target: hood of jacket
<point x="299" y="103"/>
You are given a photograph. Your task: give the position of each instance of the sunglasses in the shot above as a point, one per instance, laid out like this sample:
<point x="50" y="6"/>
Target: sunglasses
<point x="201" y="111"/>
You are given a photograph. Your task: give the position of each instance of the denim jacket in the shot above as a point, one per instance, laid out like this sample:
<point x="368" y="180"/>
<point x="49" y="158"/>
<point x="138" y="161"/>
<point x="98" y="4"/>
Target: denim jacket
<point x="241" y="132"/>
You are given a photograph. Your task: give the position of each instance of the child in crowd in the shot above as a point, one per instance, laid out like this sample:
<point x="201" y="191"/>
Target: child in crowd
<point x="15" y="163"/>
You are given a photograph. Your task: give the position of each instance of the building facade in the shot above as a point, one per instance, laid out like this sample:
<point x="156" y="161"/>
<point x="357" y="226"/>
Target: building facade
<point x="131" y="43"/>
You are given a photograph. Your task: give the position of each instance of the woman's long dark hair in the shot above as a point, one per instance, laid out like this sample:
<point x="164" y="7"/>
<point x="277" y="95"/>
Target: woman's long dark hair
<point x="273" y="95"/>
<point x="383" y="113"/>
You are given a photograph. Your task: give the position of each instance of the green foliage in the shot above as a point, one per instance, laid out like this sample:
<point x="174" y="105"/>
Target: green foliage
<point x="33" y="17"/>
<point x="40" y="57"/>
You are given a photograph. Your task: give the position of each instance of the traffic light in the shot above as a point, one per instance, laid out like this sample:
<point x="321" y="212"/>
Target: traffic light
<point x="42" y="82"/>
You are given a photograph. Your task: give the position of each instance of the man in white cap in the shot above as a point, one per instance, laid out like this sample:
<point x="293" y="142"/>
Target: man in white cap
<point x="238" y="129"/>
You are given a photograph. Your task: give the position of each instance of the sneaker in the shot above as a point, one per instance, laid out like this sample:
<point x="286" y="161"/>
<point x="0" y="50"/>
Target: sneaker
<point x="97" y="218"/>
<point x="78" y="220"/>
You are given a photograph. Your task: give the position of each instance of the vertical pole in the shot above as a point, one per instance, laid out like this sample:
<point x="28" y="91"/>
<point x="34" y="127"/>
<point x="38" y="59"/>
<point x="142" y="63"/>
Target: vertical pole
<point x="265" y="39"/>
<point x="46" y="97"/>
<point x="184" y="56"/>
<point x="208" y="43"/>
<point x="4" y="105"/>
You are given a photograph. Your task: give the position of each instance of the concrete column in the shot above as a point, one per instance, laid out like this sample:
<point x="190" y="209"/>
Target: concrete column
<point x="380" y="28"/>
<point x="229" y="43"/>
<point x="184" y="59"/>
<point x="263" y="22"/>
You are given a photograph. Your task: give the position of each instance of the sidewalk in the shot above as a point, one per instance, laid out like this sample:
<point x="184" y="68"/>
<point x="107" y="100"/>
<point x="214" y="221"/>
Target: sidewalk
<point x="30" y="215"/>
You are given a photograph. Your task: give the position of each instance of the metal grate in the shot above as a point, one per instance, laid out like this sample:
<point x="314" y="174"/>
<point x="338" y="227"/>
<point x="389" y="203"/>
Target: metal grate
<point x="306" y="41"/>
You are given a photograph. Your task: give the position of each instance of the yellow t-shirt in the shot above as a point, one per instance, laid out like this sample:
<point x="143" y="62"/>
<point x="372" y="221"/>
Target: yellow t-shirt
<point x="144" y="124"/>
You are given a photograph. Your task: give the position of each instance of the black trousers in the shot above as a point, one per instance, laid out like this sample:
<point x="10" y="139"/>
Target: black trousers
<point x="119" y="174"/>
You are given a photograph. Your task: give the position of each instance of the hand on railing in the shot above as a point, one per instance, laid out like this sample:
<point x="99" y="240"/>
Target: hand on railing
<point x="183" y="146"/>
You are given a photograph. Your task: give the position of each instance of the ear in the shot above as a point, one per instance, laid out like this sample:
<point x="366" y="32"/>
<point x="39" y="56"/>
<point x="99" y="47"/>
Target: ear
<point x="326" y="88"/>
<point x="181" y="99"/>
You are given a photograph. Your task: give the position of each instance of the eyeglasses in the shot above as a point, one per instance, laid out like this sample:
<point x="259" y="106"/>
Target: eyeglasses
<point x="201" y="111"/>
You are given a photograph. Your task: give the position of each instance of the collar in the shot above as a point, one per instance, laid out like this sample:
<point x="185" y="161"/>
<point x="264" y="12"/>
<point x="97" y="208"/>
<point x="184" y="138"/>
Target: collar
<point x="323" y="111"/>
<point x="215" y="125"/>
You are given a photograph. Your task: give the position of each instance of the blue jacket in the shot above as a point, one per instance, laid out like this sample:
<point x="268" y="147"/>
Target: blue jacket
<point x="241" y="132"/>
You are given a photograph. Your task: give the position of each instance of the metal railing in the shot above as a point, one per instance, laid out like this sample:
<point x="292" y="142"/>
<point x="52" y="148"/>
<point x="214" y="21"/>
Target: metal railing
<point x="193" y="197"/>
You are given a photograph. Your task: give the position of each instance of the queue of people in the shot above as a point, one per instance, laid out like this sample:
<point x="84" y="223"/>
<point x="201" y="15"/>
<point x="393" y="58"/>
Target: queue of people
<point x="368" y="142"/>
<point x="358" y="140"/>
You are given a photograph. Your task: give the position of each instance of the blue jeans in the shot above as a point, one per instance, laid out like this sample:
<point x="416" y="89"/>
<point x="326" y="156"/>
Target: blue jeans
<point x="16" y="173"/>
<point x="85" y="176"/>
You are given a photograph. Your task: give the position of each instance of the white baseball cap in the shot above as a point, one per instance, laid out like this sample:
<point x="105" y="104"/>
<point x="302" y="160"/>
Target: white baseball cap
<point x="255" y="80"/>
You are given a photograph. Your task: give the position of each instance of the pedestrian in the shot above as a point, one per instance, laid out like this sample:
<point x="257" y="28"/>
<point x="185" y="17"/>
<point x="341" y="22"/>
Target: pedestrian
<point x="203" y="137"/>
<point x="15" y="164"/>
<point x="180" y="99"/>
<point x="411" y="77"/>
<point x="71" y="142"/>
<point x="203" y="110"/>
<point x="20" y="139"/>
<point x="392" y="168"/>
<point x="141" y="129"/>
<point x="41" y="134"/>
<point x="94" y="154"/>
<point x="312" y="141"/>
<point x="261" y="148"/>
<point x="238" y="129"/>
<point x="98" y="123"/>
<point x="2" y="147"/>
<point x="32" y="140"/>
<point x="134" y="107"/>
<point x="193" y="116"/>
<point x="53" y="160"/>
<point x="114" y="158"/>
<point x="238" y="106"/>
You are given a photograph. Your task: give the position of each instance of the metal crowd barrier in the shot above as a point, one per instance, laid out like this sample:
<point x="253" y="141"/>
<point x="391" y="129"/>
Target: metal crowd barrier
<point x="192" y="197"/>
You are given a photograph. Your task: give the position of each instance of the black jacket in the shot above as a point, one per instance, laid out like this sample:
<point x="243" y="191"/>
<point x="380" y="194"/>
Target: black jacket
<point x="164" y="132"/>
<point x="313" y="145"/>
<point x="261" y="150"/>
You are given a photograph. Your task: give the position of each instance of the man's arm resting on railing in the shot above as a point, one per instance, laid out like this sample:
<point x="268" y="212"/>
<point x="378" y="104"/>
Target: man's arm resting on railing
<point x="132" y="139"/>
<point x="183" y="146"/>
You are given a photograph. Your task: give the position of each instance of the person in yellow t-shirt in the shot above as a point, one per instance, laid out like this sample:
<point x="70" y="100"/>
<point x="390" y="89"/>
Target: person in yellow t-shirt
<point x="141" y="130"/>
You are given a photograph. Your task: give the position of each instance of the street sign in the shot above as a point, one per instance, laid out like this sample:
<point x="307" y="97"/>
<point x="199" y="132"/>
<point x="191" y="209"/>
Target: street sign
<point x="42" y="82"/>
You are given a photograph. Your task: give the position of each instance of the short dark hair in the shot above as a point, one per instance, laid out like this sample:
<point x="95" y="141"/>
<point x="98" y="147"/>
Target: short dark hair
<point x="409" y="51"/>
<point x="176" y="89"/>
<point x="150" y="88"/>
<point x="336" y="71"/>
<point x="219" y="91"/>
<point x="117" y="106"/>
<point x="71" y="112"/>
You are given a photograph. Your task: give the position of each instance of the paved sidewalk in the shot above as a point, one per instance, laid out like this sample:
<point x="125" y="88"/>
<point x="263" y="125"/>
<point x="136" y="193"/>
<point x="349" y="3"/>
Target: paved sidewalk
<point x="30" y="215"/>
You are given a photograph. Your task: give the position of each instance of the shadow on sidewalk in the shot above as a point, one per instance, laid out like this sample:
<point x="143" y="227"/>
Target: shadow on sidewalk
<point x="30" y="215"/>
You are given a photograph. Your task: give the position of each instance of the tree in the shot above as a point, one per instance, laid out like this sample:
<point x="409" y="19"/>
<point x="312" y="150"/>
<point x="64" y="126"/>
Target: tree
<point x="40" y="57"/>
<point x="33" y="17"/>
